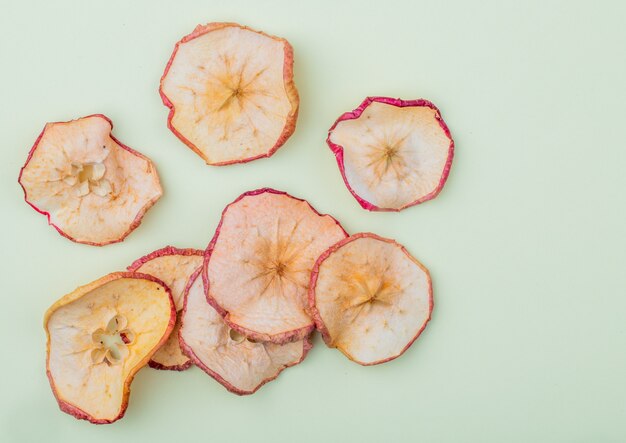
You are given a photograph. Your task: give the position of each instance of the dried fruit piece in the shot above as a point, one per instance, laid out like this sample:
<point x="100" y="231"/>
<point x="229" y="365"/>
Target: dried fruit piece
<point x="92" y="188"/>
<point x="99" y="336"/>
<point x="173" y="267"/>
<point x="370" y="298"/>
<point x="257" y="267"/>
<point x="392" y="153"/>
<point x="231" y="93"/>
<point x="242" y="366"/>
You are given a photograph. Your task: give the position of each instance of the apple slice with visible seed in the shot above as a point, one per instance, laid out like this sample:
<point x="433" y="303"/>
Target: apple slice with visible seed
<point x="370" y="298"/>
<point x="173" y="266"/>
<point x="242" y="366"/>
<point x="231" y="93"/>
<point x="99" y="336"/>
<point x="92" y="188"/>
<point x="256" y="268"/>
<point x="392" y="153"/>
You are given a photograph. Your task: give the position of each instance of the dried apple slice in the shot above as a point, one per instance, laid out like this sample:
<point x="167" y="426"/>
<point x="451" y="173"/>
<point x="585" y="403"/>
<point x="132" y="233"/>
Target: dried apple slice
<point x="257" y="267"/>
<point x="92" y="188"/>
<point x="370" y="298"/>
<point x="242" y="366"/>
<point x="99" y="336"/>
<point x="173" y="266"/>
<point x="392" y="153"/>
<point x="231" y="93"/>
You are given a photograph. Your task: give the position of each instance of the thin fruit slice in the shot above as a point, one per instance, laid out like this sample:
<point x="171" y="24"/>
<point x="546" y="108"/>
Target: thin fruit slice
<point x="392" y="153"/>
<point x="257" y="267"/>
<point x="370" y="298"/>
<point x="231" y="93"/>
<point x="92" y="188"/>
<point x="173" y="266"/>
<point x="99" y="336"/>
<point x="242" y="366"/>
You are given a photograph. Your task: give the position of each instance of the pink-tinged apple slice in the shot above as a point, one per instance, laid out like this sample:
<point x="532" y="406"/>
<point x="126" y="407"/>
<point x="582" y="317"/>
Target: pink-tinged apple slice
<point x="231" y="93"/>
<point x="370" y="298"/>
<point x="173" y="267"/>
<point x="91" y="187"/>
<point x="99" y="336"/>
<point x="257" y="267"/>
<point x="242" y="366"/>
<point x="392" y="153"/>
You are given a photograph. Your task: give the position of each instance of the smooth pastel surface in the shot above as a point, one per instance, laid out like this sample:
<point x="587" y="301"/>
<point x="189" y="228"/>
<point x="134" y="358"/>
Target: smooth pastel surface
<point x="525" y="243"/>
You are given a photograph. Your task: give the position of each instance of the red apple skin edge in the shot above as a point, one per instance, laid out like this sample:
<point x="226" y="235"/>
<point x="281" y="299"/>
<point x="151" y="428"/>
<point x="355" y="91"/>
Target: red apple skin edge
<point x="290" y="126"/>
<point x="282" y="338"/>
<point x="338" y="150"/>
<point x="79" y="413"/>
<point x="314" y="312"/>
<point x="179" y="368"/>
<point x="139" y="216"/>
<point x="307" y="345"/>
<point x="167" y="250"/>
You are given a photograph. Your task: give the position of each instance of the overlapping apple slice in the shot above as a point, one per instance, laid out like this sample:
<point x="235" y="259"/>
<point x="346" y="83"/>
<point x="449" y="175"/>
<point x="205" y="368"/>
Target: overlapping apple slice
<point x="370" y="298"/>
<point x="173" y="266"/>
<point x="241" y="365"/>
<point x="92" y="188"/>
<point x="257" y="266"/>
<point x="99" y="336"/>
<point x="392" y="153"/>
<point x="231" y="93"/>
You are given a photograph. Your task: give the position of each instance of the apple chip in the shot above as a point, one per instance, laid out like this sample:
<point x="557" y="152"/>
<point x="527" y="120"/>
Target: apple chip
<point x="92" y="188"/>
<point x="242" y="366"/>
<point x="392" y="153"/>
<point x="99" y="336"/>
<point x="172" y="266"/>
<point x="257" y="267"/>
<point x="231" y="93"/>
<point x="370" y="298"/>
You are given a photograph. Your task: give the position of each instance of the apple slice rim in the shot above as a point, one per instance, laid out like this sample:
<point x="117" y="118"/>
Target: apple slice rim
<point x="356" y="113"/>
<point x="288" y="81"/>
<point x="161" y="252"/>
<point x="319" y="322"/>
<point x="138" y="218"/>
<point x="188" y="351"/>
<point x="280" y="338"/>
<point x="76" y="294"/>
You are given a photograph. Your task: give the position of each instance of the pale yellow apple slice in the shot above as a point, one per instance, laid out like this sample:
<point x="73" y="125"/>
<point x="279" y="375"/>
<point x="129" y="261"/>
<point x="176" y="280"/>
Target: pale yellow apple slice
<point x="92" y="188"/>
<point x="173" y="267"/>
<point x="258" y="264"/>
<point x="231" y="93"/>
<point x="99" y="336"/>
<point x="370" y="298"/>
<point x="242" y="366"/>
<point x="392" y="153"/>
